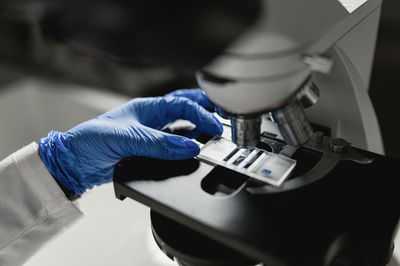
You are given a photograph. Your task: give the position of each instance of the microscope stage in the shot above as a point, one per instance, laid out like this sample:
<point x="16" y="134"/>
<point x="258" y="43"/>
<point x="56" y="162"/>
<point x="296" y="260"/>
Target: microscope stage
<point x="292" y="227"/>
<point x="259" y="164"/>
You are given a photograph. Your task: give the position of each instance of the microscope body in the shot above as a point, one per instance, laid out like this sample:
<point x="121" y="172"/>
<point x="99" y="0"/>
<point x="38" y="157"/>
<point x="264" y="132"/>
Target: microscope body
<point x="329" y="44"/>
<point x="338" y="207"/>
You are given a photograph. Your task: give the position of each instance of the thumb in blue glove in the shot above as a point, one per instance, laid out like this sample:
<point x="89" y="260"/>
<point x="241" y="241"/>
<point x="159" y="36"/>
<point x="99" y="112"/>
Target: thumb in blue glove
<point x="85" y="155"/>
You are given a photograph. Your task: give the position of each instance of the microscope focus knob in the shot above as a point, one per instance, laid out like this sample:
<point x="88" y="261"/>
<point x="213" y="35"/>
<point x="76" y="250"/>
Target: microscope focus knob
<point x="339" y="145"/>
<point x="317" y="137"/>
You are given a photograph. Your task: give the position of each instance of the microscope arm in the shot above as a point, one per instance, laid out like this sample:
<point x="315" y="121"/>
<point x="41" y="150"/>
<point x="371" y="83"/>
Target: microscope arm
<point x="268" y="68"/>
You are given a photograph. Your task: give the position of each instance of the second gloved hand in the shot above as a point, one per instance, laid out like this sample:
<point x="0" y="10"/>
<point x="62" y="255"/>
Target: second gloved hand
<point x="86" y="155"/>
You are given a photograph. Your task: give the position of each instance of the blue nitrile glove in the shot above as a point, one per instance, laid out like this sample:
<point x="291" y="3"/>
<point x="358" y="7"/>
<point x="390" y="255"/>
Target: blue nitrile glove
<point x="196" y="95"/>
<point x="85" y="155"/>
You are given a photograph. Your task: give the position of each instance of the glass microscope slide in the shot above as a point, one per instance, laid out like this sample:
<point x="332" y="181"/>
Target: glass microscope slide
<point x="264" y="166"/>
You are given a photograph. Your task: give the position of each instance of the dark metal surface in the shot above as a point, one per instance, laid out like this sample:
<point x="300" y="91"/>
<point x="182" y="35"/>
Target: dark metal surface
<point x="315" y="160"/>
<point x="352" y="211"/>
<point x="385" y="82"/>
<point x="191" y="248"/>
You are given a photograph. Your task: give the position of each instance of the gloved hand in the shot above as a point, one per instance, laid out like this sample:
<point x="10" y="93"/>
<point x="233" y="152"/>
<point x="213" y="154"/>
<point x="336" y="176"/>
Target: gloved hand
<point x="85" y="155"/>
<point x="196" y="95"/>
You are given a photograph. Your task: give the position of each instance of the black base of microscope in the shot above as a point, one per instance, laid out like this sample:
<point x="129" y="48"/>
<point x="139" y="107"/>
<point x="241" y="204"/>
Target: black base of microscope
<point x="348" y="217"/>
<point x="190" y="248"/>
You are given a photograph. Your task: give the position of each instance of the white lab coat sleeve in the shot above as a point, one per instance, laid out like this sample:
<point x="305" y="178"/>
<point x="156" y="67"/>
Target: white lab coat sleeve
<point x="33" y="208"/>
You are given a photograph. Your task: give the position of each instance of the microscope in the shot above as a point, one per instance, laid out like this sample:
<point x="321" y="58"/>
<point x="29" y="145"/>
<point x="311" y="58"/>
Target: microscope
<point x="298" y="177"/>
<point x="280" y="64"/>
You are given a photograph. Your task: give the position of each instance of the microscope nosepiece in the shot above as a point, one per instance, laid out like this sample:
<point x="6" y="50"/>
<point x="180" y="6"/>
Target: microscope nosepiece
<point x="293" y="123"/>
<point x="246" y="130"/>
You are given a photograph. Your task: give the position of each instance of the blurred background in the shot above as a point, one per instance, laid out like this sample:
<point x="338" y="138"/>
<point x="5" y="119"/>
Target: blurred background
<point x="25" y="53"/>
<point x="45" y="85"/>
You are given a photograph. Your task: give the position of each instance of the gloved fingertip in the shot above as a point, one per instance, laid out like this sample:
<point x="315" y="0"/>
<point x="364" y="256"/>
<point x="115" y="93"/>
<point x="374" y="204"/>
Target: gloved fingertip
<point x="209" y="124"/>
<point x="214" y="126"/>
<point x="183" y="148"/>
<point x="194" y="147"/>
<point x="220" y="127"/>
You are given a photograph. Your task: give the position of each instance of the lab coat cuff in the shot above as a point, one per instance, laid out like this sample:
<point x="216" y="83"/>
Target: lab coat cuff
<point x="40" y="180"/>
